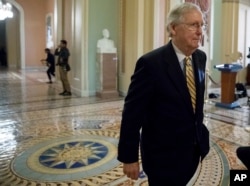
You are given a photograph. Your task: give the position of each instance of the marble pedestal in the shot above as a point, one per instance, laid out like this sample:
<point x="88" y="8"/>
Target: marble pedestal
<point x="106" y="69"/>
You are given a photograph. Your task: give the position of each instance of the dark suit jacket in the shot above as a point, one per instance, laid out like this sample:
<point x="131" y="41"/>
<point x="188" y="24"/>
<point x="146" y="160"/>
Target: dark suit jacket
<point x="158" y="113"/>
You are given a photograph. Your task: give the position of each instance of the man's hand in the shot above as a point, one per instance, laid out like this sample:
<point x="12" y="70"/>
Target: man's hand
<point x="132" y="170"/>
<point x="43" y="61"/>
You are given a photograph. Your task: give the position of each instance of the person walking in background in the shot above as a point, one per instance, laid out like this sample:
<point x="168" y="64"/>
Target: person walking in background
<point x="163" y="110"/>
<point x="63" y="61"/>
<point x="50" y="62"/>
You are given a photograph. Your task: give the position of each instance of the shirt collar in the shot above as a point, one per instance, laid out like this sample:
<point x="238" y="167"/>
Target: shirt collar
<point x="179" y="53"/>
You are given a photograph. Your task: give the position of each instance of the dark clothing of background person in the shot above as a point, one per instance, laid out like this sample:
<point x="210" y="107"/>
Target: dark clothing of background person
<point x="243" y="153"/>
<point x="63" y="56"/>
<point x="51" y="64"/>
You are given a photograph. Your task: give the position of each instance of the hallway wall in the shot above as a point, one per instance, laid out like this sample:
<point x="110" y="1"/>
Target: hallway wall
<point x="34" y="31"/>
<point x="102" y="14"/>
<point x="13" y="43"/>
<point x="216" y="44"/>
<point x="81" y="24"/>
<point x="132" y="26"/>
<point x="227" y="35"/>
<point x="138" y="31"/>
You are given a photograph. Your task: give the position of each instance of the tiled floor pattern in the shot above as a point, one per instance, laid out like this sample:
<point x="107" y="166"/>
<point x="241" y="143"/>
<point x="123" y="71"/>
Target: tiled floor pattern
<point x="51" y="140"/>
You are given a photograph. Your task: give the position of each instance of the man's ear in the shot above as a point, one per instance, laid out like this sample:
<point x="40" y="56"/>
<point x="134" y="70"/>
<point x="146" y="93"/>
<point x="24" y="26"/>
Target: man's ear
<point x="172" y="30"/>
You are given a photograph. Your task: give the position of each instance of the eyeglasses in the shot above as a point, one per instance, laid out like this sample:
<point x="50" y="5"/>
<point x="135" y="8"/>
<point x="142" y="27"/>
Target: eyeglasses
<point x="195" y="26"/>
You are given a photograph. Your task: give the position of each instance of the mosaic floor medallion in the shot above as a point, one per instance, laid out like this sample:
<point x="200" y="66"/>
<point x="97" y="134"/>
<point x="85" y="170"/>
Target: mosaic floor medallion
<point x="67" y="158"/>
<point x="70" y="157"/>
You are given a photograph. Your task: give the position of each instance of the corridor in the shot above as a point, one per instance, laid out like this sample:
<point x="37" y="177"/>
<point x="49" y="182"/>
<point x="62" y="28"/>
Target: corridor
<point x="48" y="139"/>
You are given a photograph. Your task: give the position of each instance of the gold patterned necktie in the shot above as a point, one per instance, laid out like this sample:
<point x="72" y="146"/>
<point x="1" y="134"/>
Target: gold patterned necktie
<point x="190" y="80"/>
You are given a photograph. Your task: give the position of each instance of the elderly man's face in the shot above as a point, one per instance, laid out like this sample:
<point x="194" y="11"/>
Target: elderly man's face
<point x="187" y="34"/>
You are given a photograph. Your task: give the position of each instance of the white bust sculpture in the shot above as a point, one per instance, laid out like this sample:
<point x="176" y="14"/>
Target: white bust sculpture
<point x="105" y="45"/>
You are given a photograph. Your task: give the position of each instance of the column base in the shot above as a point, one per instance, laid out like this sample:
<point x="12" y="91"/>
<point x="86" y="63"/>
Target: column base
<point x="107" y="94"/>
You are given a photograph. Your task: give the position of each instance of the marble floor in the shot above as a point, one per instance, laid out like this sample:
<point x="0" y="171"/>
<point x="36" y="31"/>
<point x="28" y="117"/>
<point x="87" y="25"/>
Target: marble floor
<point x="52" y="140"/>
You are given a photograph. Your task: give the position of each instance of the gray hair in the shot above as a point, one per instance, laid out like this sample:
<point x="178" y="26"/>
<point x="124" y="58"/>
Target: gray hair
<point x="175" y="16"/>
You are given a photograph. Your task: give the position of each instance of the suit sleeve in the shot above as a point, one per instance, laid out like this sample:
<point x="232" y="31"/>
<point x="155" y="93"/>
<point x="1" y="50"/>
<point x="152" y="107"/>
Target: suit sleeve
<point x="134" y="112"/>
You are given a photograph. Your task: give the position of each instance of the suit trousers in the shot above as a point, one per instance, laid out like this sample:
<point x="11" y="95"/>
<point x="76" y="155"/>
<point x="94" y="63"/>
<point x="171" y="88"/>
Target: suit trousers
<point x="162" y="177"/>
<point x="50" y="71"/>
<point x="64" y="78"/>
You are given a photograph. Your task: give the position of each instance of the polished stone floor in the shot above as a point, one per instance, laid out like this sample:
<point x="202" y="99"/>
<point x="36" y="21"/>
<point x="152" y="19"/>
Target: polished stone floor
<point x="53" y="140"/>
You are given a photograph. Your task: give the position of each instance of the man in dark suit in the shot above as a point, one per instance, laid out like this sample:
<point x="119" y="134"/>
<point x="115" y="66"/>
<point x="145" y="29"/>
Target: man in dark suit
<point x="161" y="115"/>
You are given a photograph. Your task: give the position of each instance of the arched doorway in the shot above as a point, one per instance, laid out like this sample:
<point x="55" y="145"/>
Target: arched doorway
<point x="15" y="37"/>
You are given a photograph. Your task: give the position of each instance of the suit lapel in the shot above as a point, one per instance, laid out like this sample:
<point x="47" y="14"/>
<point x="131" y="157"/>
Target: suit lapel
<point x="174" y="70"/>
<point x="199" y="77"/>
